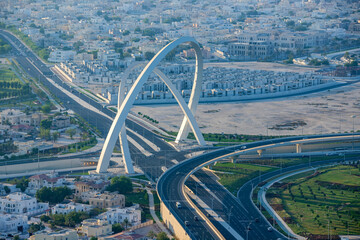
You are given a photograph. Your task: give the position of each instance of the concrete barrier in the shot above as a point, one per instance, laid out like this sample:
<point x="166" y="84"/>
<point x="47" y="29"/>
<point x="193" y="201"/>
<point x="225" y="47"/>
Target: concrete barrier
<point x="172" y="223"/>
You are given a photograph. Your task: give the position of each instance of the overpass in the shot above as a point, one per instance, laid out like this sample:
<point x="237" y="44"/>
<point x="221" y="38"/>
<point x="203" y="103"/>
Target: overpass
<point x="171" y="188"/>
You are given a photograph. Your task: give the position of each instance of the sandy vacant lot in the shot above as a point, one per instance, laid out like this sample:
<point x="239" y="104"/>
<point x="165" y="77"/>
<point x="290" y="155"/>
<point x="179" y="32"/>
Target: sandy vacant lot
<point x="268" y="66"/>
<point x="322" y="112"/>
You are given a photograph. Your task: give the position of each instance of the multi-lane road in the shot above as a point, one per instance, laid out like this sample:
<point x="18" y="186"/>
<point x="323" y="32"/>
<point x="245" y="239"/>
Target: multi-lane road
<point x="238" y="213"/>
<point x="151" y="165"/>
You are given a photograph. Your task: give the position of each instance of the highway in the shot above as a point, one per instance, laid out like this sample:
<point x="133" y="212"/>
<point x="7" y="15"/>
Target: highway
<point x="171" y="182"/>
<point x="150" y="165"/>
<point x="170" y="186"/>
<point x="38" y="70"/>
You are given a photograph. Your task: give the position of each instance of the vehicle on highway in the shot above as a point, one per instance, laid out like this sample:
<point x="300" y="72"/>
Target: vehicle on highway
<point x="196" y="218"/>
<point x="270" y="229"/>
<point x="187" y="223"/>
<point x="257" y="220"/>
<point x="178" y="205"/>
<point x="243" y="147"/>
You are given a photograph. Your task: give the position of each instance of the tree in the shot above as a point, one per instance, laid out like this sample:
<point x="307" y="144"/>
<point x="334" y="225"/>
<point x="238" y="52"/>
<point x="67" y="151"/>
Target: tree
<point x="58" y="219"/>
<point x="170" y="56"/>
<point x="45" y="133"/>
<point x="45" y="218"/>
<point x="162" y="236"/>
<point x="120" y="184"/>
<point x="77" y="45"/>
<point x="53" y="195"/>
<point x="55" y="136"/>
<point x="151" y="234"/>
<point x="35" y="227"/>
<point x="126" y="222"/>
<point x="7" y="189"/>
<point x="71" y="132"/>
<point x="116" y="228"/>
<point x="84" y="135"/>
<point x="149" y="55"/>
<point x="46" y="108"/>
<point x="96" y="211"/>
<point x="16" y="237"/>
<point x="46" y="123"/>
<point x="93" y="238"/>
<point x="22" y="184"/>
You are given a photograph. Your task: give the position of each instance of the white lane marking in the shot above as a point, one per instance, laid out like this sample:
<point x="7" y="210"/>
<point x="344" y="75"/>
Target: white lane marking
<point x="138" y="146"/>
<point x="148" y="142"/>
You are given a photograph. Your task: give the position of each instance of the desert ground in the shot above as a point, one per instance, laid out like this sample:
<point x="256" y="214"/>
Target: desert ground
<point x="322" y="112"/>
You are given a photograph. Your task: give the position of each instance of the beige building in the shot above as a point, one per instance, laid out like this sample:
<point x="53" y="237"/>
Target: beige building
<point x="15" y="117"/>
<point x="86" y="186"/>
<point x="95" y="227"/>
<point x="61" y="121"/>
<point x="107" y="200"/>
<point x="60" y="235"/>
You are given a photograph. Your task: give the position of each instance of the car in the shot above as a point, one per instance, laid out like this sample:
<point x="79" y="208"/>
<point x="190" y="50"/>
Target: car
<point x="243" y="147"/>
<point x="248" y="228"/>
<point x="196" y="218"/>
<point x="270" y="229"/>
<point x="257" y="220"/>
<point x="208" y="214"/>
<point x="187" y="223"/>
<point x="178" y="205"/>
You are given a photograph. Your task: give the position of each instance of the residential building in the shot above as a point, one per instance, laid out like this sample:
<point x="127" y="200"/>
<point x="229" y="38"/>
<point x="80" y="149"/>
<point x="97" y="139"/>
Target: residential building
<point x="12" y="223"/>
<point x="64" y="234"/>
<point x="61" y="55"/>
<point x="20" y="203"/>
<point x="118" y="215"/>
<point x="107" y="200"/>
<point x="128" y="235"/>
<point x="254" y="50"/>
<point x="70" y="207"/>
<point x="85" y="196"/>
<point x="15" y="117"/>
<point x="44" y="180"/>
<point x="95" y="227"/>
<point x="10" y="187"/>
<point x="12" y="116"/>
<point x="85" y="186"/>
<point x="61" y="121"/>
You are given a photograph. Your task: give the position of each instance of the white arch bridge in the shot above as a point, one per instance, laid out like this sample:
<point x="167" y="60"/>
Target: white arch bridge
<point x="117" y="128"/>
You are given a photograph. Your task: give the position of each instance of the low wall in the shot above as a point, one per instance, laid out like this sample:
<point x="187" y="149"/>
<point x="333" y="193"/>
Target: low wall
<point x="300" y="91"/>
<point x="172" y="223"/>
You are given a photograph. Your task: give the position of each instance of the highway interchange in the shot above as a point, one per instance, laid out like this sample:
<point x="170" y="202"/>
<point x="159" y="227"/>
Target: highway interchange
<point x="242" y="214"/>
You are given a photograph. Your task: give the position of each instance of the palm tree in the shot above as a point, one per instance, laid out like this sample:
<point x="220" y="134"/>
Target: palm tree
<point x="126" y="222"/>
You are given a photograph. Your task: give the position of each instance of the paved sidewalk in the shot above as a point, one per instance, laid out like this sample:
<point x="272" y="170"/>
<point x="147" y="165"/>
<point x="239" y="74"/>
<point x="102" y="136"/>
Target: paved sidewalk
<point x="153" y="214"/>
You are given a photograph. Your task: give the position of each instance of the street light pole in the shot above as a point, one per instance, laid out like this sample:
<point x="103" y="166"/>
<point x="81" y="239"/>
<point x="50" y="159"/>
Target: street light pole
<point x="353" y="118"/>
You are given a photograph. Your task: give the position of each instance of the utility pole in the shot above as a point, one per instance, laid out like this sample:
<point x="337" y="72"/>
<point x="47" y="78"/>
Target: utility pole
<point x="353" y="118"/>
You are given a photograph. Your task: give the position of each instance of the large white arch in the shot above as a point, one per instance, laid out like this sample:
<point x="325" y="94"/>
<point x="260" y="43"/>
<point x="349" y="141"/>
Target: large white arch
<point x="126" y="105"/>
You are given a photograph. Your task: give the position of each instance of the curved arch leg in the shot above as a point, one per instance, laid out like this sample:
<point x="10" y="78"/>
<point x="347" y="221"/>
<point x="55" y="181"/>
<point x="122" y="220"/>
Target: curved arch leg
<point x="195" y="94"/>
<point x="129" y="168"/>
<point x="124" y="145"/>
<point x="188" y="114"/>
